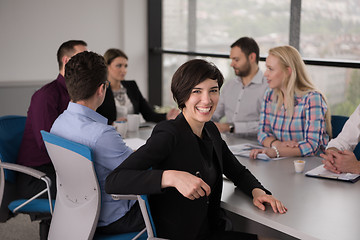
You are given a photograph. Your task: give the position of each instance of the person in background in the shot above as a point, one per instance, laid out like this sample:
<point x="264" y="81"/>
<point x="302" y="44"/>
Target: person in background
<point x="182" y="164"/>
<point x="241" y="98"/>
<point x="46" y="105"/>
<point x="124" y="97"/>
<point x="86" y="81"/>
<point x="339" y="156"/>
<point x="294" y="119"/>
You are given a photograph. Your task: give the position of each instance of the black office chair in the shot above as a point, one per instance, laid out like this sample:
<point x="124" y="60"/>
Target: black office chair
<point x="337" y="124"/>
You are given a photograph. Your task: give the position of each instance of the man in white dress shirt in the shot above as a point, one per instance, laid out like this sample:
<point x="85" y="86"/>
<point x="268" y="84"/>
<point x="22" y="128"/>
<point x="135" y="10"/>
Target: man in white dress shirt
<point x="241" y="98"/>
<point x="339" y="156"/>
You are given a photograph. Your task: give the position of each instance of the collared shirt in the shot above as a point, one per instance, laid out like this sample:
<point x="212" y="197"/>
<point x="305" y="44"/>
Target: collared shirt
<point x="241" y="104"/>
<point x="46" y="105"/>
<point x="349" y="136"/>
<point x="306" y="126"/>
<point x="83" y="125"/>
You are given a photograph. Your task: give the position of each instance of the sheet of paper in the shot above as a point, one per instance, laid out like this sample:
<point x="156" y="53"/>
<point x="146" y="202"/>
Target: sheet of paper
<point x="238" y="148"/>
<point x="244" y="150"/>
<point x="322" y="172"/>
<point x="134" y="143"/>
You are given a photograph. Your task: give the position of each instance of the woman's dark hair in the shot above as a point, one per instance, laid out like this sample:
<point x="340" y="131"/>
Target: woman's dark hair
<point x="191" y="74"/>
<point x="113" y="53"/>
<point x="84" y="73"/>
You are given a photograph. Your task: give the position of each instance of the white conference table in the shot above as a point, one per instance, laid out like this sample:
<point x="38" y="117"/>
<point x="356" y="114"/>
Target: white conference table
<point x="317" y="208"/>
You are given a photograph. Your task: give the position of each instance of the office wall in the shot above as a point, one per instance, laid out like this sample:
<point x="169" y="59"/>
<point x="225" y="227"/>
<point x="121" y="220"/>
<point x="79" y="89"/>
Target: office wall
<point x="32" y="31"/>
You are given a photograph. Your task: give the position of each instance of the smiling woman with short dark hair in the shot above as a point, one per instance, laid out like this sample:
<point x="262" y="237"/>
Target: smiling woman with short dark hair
<point x="181" y="165"/>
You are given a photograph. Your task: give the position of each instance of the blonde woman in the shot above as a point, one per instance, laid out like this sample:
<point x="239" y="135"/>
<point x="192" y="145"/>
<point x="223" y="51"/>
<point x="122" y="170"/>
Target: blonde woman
<point x="294" y="119"/>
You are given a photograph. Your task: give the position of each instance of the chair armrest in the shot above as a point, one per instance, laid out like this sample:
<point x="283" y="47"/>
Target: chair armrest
<point x="34" y="173"/>
<point x="123" y="197"/>
<point x="20" y="168"/>
<point x="144" y="211"/>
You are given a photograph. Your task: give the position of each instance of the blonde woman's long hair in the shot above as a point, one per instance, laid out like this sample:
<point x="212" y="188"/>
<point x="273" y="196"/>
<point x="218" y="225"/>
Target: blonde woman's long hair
<point x="297" y="84"/>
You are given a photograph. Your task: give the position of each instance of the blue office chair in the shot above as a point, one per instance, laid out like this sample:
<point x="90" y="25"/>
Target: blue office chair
<point x="11" y="132"/>
<point x="78" y="198"/>
<point x="337" y="124"/>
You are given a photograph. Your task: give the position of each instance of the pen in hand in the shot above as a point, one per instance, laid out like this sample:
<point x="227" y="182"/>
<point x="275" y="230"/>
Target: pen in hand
<point x="199" y="176"/>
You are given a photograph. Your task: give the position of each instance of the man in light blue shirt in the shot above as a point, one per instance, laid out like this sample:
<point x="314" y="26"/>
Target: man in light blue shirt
<point x="86" y="81"/>
<point x="241" y="98"/>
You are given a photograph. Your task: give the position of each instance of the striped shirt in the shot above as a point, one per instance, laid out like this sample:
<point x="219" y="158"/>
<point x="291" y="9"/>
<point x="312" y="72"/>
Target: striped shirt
<point x="306" y="126"/>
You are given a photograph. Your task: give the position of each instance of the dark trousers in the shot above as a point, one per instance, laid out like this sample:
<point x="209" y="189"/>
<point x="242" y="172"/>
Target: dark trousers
<point x="132" y="221"/>
<point x="27" y="186"/>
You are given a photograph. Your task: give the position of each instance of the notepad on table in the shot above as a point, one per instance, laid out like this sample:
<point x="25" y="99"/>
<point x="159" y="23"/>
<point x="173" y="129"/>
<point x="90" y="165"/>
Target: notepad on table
<point x="244" y="150"/>
<point x="321" y="172"/>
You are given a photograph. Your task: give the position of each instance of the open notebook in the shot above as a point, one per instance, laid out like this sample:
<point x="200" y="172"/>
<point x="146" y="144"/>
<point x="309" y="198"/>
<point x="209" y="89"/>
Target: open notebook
<point x="244" y="150"/>
<point x="321" y="172"/>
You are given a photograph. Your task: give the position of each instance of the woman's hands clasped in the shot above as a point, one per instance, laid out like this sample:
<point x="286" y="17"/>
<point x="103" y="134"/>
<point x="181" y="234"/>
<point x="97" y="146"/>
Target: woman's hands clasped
<point x="270" y="152"/>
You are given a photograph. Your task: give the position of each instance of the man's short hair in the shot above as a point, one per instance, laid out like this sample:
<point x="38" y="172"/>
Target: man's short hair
<point x="247" y="45"/>
<point x="67" y="48"/>
<point x="84" y="73"/>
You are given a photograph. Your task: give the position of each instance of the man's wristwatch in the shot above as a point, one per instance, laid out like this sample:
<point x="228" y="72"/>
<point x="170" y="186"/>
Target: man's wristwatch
<point x="232" y="127"/>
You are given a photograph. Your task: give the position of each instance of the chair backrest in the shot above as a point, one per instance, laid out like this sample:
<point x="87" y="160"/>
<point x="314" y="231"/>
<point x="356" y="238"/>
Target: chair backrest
<point x="77" y="206"/>
<point x="337" y="124"/>
<point x="11" y="133"/>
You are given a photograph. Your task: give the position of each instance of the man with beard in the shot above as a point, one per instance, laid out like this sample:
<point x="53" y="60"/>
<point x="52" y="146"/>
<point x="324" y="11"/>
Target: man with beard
<point x="241" y="98"/>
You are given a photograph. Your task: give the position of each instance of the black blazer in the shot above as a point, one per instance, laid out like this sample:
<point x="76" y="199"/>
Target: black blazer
<point x="108" y="108"/>
<point x="173" y="146"/>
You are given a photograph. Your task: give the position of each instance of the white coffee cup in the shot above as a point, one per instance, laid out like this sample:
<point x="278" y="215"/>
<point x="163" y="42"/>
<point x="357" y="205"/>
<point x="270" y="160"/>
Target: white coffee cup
<point x="121" y="127"/>
<point x="299" y="165"/>
<point x="133" y="122"/>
